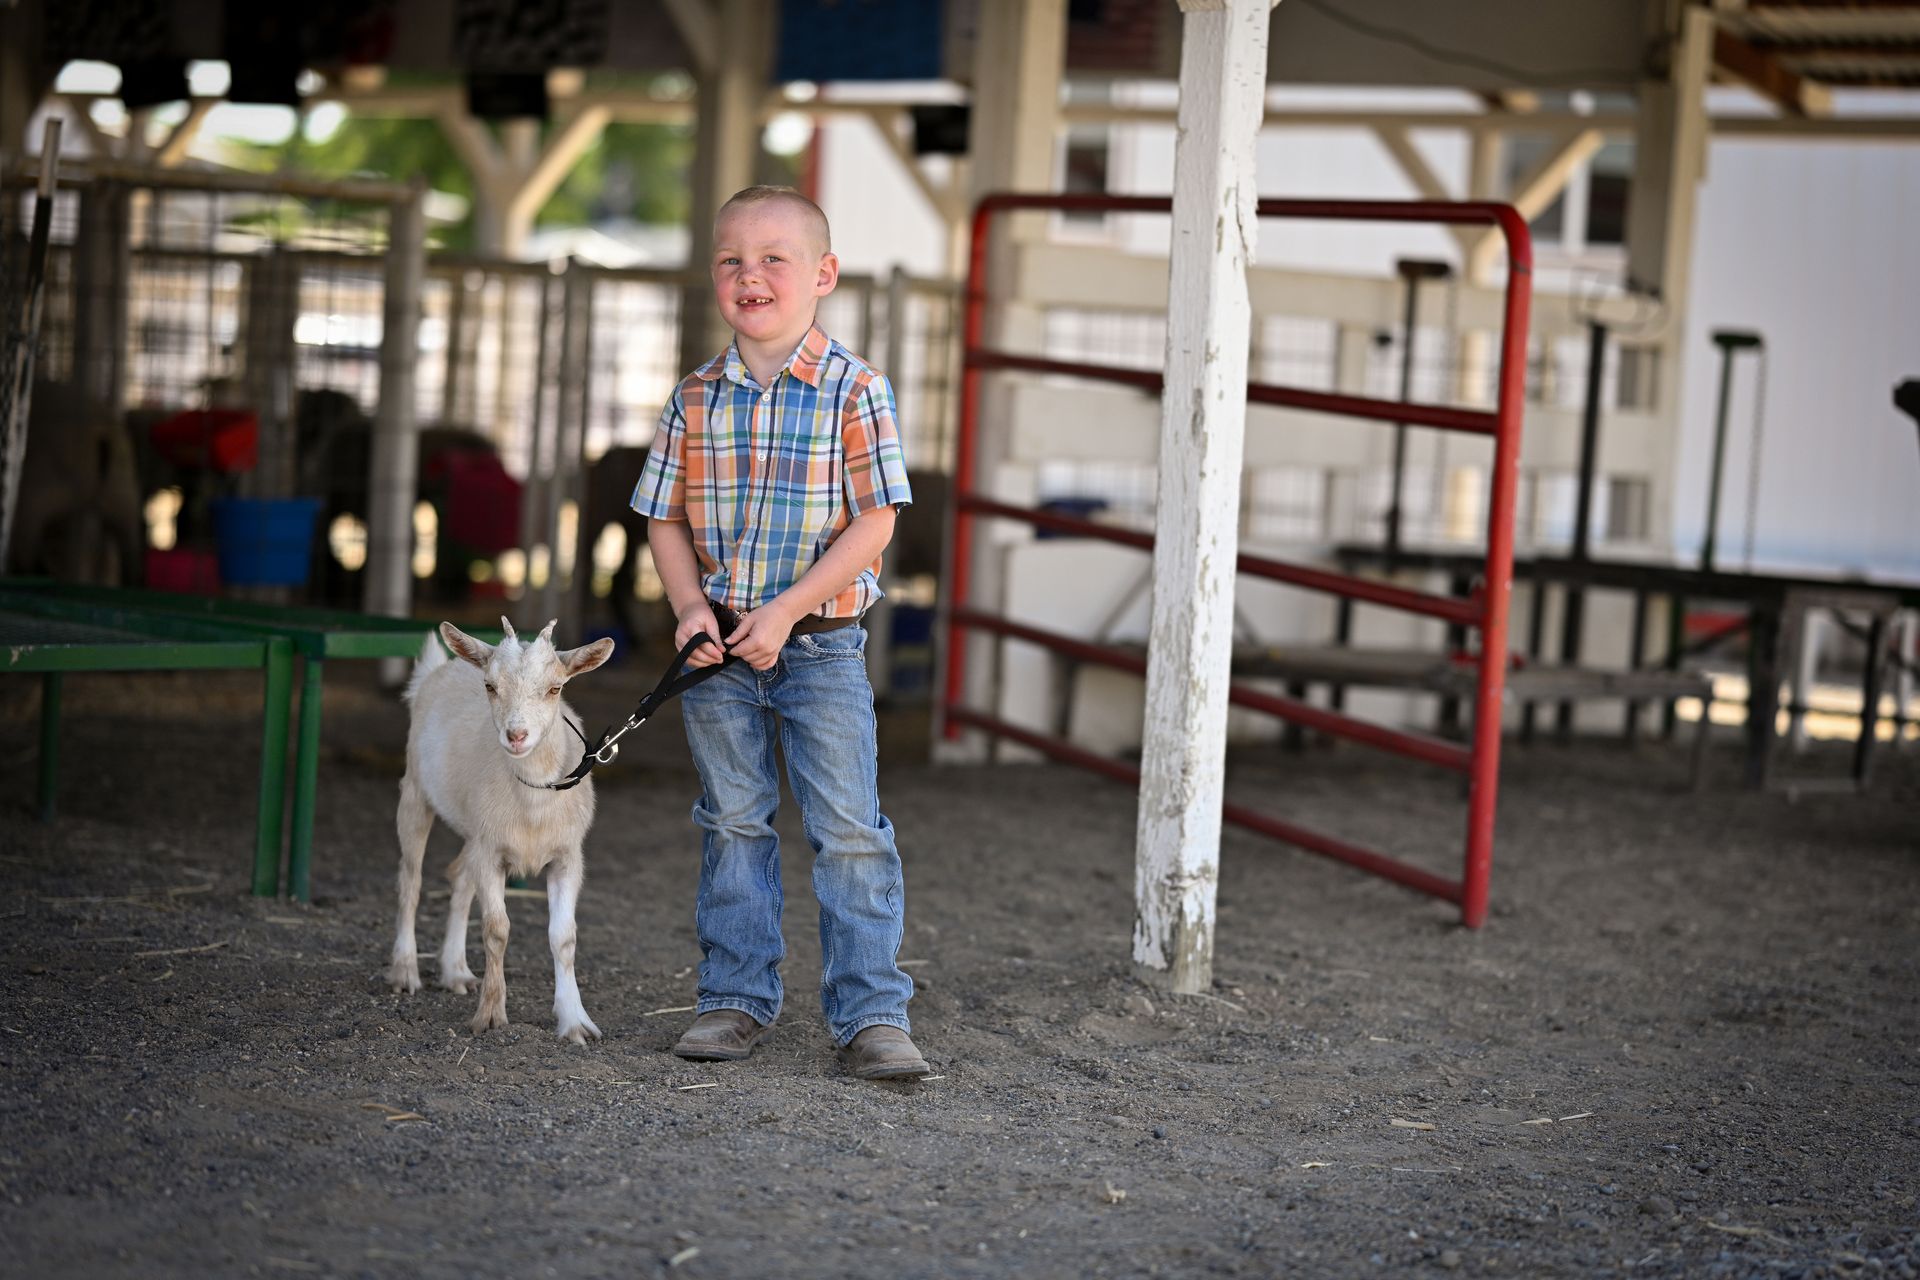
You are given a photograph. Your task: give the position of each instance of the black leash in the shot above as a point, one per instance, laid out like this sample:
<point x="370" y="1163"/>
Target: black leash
<point x="674" y="683"/>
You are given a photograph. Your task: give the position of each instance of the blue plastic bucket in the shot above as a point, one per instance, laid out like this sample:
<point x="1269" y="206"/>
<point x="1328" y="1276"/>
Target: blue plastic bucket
<point x="264" y="542"/>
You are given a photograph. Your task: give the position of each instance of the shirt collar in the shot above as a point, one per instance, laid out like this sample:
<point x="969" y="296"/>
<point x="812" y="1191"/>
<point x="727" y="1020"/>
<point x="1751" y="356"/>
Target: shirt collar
<point x="806" y="363"/>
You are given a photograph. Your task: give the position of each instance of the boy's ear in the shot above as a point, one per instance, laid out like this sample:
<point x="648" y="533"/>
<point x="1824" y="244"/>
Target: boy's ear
<point x="829" y="275"/>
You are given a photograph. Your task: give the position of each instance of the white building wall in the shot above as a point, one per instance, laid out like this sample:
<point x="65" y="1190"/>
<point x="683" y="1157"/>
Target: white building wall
<point x="1818" y="249"/>
<point x="879" y="217"/>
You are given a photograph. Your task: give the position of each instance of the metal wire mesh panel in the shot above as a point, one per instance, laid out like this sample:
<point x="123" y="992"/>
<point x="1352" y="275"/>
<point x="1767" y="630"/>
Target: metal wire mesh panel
<point x="184" y="312"/>
<point x="338" y="325"/>
<point x="633" y="355"/>
<point x="921" y="323"/>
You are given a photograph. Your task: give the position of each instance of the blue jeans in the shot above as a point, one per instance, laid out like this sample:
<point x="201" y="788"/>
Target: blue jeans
<point x="817" y="699"/>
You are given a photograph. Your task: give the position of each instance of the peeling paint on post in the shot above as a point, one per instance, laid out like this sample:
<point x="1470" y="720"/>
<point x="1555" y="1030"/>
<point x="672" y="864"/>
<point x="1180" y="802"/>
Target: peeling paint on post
<point x="1203" y="418"/>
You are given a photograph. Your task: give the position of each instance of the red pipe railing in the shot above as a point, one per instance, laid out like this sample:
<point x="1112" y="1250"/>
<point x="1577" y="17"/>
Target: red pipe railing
<point x="1445" y="417"/>
<point x="1340" y="850"/>
<point x="1486" y="610"/>
<point x="1447" y="608"/>
<point x="1415" y="746"/>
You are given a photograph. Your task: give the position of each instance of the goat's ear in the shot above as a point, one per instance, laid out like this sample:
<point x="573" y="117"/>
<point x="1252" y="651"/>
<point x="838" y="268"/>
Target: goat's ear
<point x="586" y="657"/>
<point x="477" y="652"/>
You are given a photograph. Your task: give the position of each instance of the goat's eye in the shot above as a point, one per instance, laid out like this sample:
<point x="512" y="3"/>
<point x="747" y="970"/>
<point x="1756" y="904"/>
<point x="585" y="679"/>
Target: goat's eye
<point x="490" y="689"/>
<point x="554" y="692"/>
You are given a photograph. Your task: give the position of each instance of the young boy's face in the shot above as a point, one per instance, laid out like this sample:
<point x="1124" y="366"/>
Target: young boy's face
<point x="770" y="268"/>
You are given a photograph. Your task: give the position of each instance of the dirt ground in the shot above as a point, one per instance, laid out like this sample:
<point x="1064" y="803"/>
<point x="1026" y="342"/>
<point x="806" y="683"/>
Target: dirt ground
<point x="1686" y="1044"/>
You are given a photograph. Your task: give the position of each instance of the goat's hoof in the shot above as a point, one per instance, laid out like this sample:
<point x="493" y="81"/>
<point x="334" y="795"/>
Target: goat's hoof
<point x="580" y="1031"/>
<point x="460" y="982"/>
<point x="404" y="976"/>
<point x="487" y="1019"/>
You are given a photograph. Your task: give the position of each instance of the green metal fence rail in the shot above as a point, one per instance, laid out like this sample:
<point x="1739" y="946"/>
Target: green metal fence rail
<point x="316" y="635"/>
<point x="55" y="642"/>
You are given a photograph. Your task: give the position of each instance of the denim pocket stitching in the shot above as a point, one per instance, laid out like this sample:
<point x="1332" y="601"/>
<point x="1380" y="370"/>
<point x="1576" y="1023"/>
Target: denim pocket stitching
<point x="813" y="648"/>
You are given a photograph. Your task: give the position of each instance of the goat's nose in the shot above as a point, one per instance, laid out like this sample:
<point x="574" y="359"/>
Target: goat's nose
<point x="516" y="736"/>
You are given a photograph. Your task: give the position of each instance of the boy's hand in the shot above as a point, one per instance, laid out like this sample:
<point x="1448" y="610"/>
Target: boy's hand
<point x="761" y="633"/>
<point x="695" y="620"/>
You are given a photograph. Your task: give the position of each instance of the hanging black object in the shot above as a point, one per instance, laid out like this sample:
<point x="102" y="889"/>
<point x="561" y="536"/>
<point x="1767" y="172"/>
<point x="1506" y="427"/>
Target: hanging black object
<point x="266" y="50"/>
<point x="267" y="80"/>
<point x="150" y="82"/>
<point x="493" y="95"/>
<point x="940" y="129"/>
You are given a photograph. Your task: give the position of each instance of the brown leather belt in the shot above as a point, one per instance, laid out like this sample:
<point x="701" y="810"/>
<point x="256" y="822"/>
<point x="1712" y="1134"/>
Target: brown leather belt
<point x="729" y="620"/>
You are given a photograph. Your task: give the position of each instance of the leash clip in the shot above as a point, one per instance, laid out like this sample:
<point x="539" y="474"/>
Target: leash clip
<point x="675" y="681"/>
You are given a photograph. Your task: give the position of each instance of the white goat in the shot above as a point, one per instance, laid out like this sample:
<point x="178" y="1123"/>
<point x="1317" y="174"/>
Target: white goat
<point x="508" y="695"/>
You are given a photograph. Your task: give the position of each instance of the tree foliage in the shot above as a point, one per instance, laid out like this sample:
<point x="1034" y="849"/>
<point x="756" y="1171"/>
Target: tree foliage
<point x="634" y="171"/>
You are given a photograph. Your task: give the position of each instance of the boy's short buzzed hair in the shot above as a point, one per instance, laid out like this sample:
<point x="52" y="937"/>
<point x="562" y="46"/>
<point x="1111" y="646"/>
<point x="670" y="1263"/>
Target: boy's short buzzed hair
<point x="815" y="217"/>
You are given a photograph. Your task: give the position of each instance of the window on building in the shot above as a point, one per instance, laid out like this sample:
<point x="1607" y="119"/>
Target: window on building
<point x="1592" y="208"/>
<point x="1608" y="174"/>
<point x="1639" y="385"/>
<point x="1088" y="149"/>
<point x="1524" y="154"/>
<point x="1628" y="499"/>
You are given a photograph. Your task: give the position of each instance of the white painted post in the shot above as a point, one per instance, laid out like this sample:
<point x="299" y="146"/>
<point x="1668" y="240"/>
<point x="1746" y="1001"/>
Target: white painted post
<point x="1203" y="413"/>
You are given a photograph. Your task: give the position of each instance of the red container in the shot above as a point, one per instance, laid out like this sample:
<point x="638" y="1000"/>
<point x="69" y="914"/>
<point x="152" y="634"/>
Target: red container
<point x="225" y="440"/>
<point x="183" y="569"/>
<point x="482" y="509"/>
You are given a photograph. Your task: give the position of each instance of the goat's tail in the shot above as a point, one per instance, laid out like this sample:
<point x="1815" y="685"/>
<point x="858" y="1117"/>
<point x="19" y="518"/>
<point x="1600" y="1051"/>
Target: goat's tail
<point x="432" y="656"/>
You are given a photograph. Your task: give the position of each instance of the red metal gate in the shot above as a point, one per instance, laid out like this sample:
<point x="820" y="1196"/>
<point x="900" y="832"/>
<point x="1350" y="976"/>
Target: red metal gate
<point x="1485" y="609"/>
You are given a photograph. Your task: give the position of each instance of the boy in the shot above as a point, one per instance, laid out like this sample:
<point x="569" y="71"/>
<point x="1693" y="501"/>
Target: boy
<point x="770" y="492"/>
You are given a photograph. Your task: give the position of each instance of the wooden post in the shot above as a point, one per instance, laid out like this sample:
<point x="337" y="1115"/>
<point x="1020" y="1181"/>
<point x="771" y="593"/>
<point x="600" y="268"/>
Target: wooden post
<point x="1020" y="55"/>
<point x="1202" y="424"/>
<point x="102" y="266"/>
<point x="1670" y="154"/>
<point x="516" y="175"/>
<point x="732" y="44"/>
<point x="557" y="598"/>
<point x="393" y="482"/>
<point x="268" y="343"/>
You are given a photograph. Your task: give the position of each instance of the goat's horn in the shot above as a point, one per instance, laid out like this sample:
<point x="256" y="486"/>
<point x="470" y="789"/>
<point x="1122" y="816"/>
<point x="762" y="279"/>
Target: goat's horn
<point x="546" y="632"/>
<point x="507" y="627"/>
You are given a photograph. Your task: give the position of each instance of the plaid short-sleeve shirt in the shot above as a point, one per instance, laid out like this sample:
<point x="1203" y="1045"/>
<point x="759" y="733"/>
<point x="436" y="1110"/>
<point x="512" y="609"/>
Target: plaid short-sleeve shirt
<point x="768" y="477"/>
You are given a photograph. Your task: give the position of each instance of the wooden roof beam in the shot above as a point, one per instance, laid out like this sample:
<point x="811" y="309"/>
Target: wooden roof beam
<point x="1767" y="76"/>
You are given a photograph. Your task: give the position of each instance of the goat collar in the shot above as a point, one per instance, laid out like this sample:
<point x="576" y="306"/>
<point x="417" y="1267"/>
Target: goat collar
<point x="564" y="784"/>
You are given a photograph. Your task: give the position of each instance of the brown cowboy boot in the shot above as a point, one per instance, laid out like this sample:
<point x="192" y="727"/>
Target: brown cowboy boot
<point x="721" y="1035"/>
<point x="883" y="1052"/>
